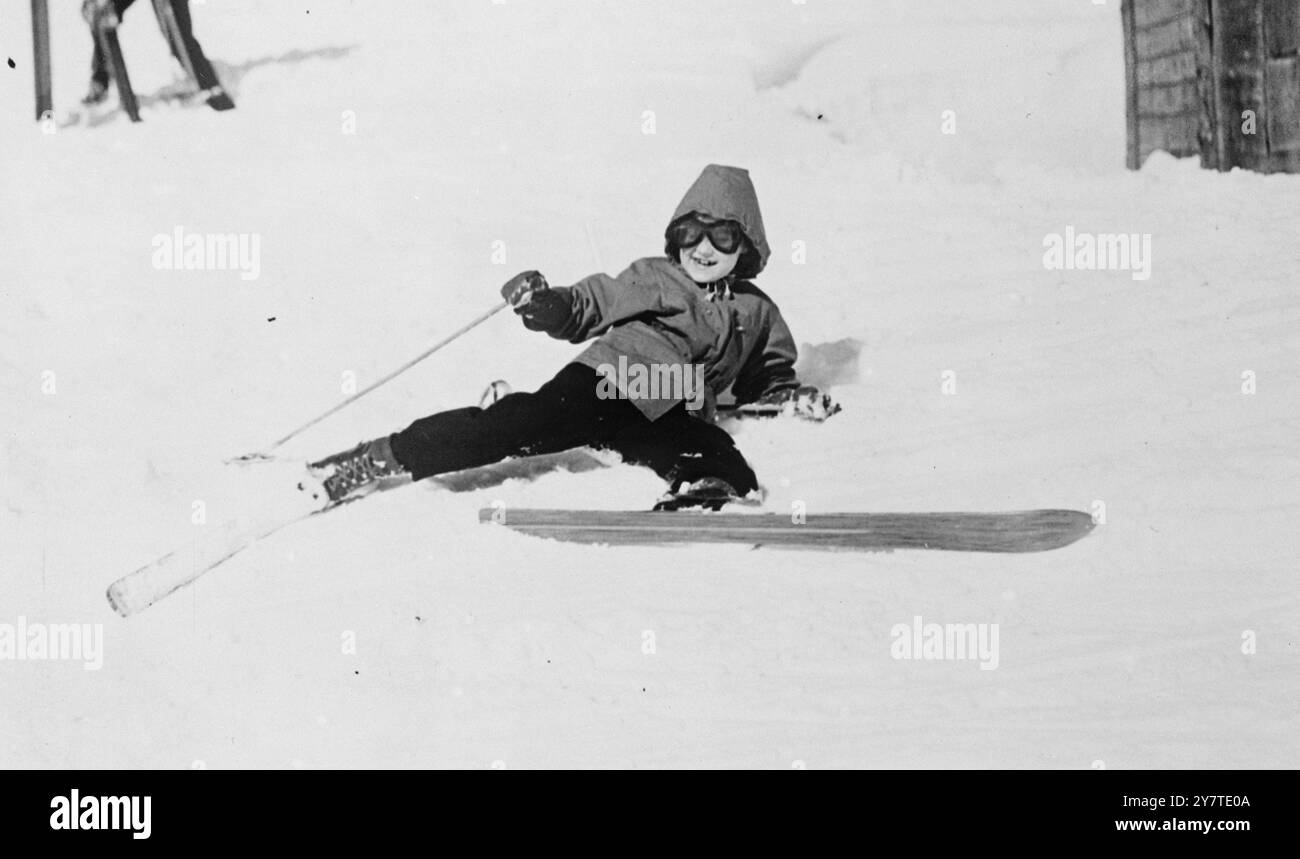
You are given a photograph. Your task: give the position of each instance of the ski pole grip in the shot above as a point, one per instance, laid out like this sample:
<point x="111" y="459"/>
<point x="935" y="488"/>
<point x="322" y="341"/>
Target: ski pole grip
<point x="525" y="282"/>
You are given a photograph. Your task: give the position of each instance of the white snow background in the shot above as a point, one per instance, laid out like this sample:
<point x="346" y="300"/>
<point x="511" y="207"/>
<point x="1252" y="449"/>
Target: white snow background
<point x="525" y="123"/>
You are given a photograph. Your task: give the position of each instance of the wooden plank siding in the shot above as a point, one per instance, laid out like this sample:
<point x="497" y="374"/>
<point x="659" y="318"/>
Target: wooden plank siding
<point x="1166" y="38"/>
<point x="1194" y="67"/>
<point x="1171" y="100"/>
<point x="1148" y="12"/>
<point x="1238" y="52"/>
<point x="1283" y="105"/>
<point x="1177" y="135"/>
<point x="1166" y="80"/>
<point x="1133" y="144"/>
<point x="1282" y="84"/>
<point x="1282" y="28"/>
<point x="1211" y="157"/>
<point x="1175" y="68"/>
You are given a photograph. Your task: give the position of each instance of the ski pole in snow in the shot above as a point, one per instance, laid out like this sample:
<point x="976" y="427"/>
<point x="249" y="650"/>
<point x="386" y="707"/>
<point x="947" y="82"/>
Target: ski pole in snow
<point x="41" y="57"/>
<point x="266" y="454"/>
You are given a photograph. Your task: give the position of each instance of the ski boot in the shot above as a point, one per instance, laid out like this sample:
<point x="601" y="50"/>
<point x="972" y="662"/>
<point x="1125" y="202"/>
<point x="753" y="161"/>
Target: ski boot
<point x="354" y="473"/>
<point x="707" y="493"/>
<point x="97" y="93"/>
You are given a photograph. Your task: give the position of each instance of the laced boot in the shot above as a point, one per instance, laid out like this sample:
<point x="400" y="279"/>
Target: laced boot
<point x="357" y="472"/>
<point x="708" y="493"/>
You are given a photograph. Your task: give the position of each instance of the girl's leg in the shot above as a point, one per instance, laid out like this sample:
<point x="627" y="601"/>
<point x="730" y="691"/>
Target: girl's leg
<point x="563" y="413"/>
<point x="680" y="447"/>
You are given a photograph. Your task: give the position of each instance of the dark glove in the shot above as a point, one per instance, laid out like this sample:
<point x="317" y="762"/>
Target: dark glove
<point x="806" y="402"/>
<point x="532" y="298"/>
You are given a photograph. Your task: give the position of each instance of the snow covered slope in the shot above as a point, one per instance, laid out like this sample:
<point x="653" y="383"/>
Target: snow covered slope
<point x="560" y="134"/>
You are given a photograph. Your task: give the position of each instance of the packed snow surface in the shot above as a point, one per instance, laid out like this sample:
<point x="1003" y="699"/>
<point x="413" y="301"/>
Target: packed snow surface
<point x="397" y="162"/>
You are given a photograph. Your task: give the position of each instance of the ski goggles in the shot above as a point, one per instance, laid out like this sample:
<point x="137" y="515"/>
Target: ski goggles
<point x="726" y="236"/>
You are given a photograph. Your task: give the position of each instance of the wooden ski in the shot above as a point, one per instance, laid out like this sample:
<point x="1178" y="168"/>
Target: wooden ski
<point x="1028" y="531"/>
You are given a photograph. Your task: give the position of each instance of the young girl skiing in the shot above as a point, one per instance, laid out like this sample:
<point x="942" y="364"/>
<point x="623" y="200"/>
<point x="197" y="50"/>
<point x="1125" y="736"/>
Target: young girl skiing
<point x="692" y="315"/>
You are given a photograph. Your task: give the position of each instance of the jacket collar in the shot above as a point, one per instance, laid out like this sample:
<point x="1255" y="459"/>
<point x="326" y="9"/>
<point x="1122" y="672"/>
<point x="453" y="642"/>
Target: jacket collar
<point x="721" y="288"/>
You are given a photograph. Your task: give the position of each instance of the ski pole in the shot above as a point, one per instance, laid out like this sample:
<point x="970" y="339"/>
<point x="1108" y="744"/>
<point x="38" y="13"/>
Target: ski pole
<point x="41" y="57"/>
<point x="266" y="454"/>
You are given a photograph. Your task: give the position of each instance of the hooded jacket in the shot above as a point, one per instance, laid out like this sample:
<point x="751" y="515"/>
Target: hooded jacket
<point x="654" y="315"/>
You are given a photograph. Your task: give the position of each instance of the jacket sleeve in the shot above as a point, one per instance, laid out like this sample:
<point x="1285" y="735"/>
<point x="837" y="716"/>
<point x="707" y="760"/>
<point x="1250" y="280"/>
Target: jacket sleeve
<point x="770" y="368"/>
<point x="599" y="302"/>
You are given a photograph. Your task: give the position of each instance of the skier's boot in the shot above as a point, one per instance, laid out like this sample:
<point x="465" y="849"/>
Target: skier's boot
<point x="97" y="93"/>
<point x="217" y="98"/>
<point x="353" y="473"/>
<point x="708" y="493"/>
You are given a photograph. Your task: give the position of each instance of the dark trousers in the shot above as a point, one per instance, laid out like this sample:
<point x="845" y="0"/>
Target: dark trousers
<point x="564" y="413"/>
<point x="207" y="78"/>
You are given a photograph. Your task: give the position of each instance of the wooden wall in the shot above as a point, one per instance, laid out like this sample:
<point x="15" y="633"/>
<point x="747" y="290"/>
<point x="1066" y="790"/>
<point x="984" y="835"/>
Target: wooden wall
<point x="1282" y="83"/>
<point x="1195" y="66"/>
<point x="1239" y="69"/>
<point x="1170" y="85"/>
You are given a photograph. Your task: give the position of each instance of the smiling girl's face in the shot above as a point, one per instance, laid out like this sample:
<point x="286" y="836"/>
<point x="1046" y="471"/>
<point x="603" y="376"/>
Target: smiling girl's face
<point x="705" y="263"/>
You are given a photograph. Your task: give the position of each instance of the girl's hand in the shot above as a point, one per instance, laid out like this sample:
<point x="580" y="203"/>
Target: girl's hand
<point x="806" y="402"/>
<point x="809" y="403"/>
<point x="533" y="300"/>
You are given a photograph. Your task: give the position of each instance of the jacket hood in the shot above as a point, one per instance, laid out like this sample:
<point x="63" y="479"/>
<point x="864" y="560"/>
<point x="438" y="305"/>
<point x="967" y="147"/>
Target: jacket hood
<point x="726" y="193"/>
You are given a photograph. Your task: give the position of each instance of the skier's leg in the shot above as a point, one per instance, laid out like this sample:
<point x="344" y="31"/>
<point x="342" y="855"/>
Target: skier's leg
<point x="563" y="413"/>
<point x="207" y="78"/>
<point x="683" y="448"/>
<point x="99" y="73"/>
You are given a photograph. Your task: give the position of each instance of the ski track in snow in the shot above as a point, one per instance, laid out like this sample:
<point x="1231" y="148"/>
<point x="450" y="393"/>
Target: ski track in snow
<point x="479" y="123"/>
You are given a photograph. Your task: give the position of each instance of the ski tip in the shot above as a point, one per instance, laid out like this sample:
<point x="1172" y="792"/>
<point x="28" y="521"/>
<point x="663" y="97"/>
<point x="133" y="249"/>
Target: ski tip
<point x="119" y="598"/>
<point x="249" y="459"/>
